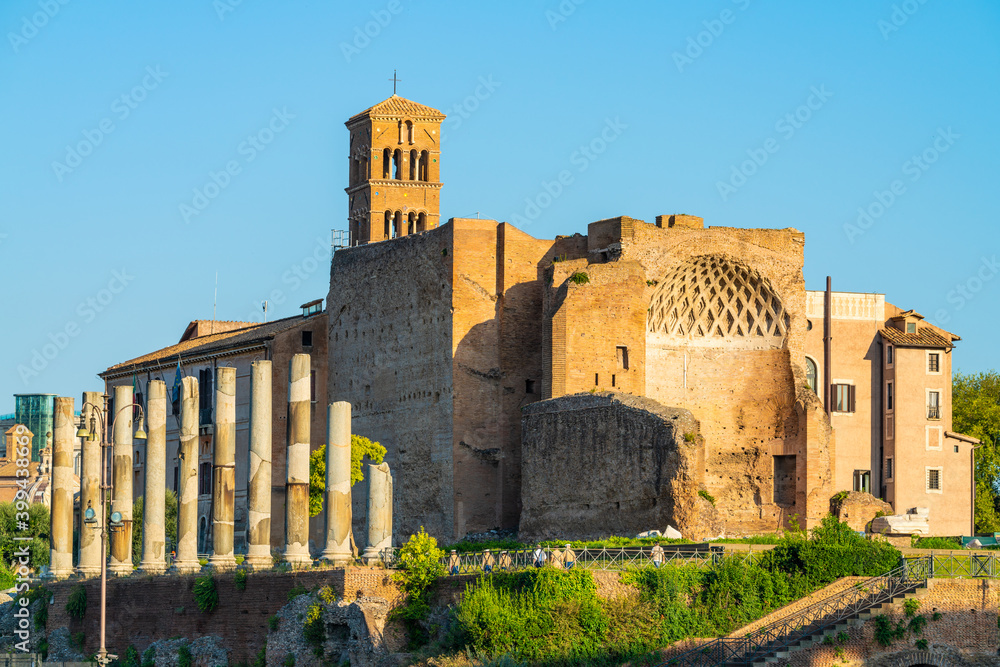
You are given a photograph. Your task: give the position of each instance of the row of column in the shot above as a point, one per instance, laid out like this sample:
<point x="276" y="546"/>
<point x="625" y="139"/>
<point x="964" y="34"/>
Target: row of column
<point x="296" y="551"/>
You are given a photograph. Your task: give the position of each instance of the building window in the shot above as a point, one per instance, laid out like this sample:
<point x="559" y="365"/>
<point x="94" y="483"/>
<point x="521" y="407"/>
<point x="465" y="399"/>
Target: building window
<point x="889" y="398"/>
<point x="205" y="396"/>
<point x="888" y="355"/>
<point x="597" y="379"/>
<point x="307" y="338"/>
<point x="889" y="435"/>
<point x="888" y="468"/>
<point x="621" y="352"/>
<point x="862" y="480"/>
<point x="934" y="437"/>
<point x="812" y="375"/>
<point x="934" y="405"/>
<point x="312" y="386"/>
<point x="205" y="479"/>
<point x="843" y="397"/>
<point x="612" y="380"/>
<point x="933" y="477"/>
<point x="529" y="386"/>
<point x="933" y="362"/>
<point x="911" y="327"/>
<point x="176" y="475"/>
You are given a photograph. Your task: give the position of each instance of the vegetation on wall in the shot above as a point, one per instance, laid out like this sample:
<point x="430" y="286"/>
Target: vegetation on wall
<point x="361" y="448"/>
<point x="76" y="605"/>
<point x="206" y="596"/>
<point x="420" y="566"/>
<point x="37" y="529"/>
<point x="975" y="407"/>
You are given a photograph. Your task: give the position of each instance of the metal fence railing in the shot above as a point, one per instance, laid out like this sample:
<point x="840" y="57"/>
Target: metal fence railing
<point x="911" y="574"/>
<point x="603" y="558"/>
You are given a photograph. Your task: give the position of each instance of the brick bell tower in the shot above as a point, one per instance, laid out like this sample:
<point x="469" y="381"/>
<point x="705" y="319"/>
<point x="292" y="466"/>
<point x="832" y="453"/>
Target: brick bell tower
<point x="395" y="186"/>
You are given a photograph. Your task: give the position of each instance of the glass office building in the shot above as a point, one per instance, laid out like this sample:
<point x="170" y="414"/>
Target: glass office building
<point x="36" y="411"/>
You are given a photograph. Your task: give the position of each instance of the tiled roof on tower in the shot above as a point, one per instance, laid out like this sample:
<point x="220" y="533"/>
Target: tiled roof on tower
<point x="396" y="107"/>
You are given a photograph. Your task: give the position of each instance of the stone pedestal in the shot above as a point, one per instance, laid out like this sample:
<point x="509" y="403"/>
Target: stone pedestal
<point x="379" y="520"/>
<point x="90" y="486"/>
<point x="297" y="465"/>
<point x="224" y="471"/>
<point x="338" y="484"/>
<point x="61" y="521"/>
<point x="121" y="536"/>
<point x="259" y="482"/>
<point x="187" y="503"/>
<point x="154" y="536"/>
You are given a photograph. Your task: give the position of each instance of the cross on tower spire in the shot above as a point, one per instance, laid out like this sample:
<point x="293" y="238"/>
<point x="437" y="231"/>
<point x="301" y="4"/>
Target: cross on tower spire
<point x="394" y="81"/>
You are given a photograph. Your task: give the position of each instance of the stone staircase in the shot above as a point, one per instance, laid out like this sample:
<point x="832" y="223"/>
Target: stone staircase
<point x="817" y="635"/>
<point x="775" y="642"/>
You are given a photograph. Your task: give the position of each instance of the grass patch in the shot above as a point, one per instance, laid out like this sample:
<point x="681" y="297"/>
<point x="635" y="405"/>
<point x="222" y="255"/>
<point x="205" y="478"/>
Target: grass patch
<point x="936" y="542"/>
<point x="706" y="495"/>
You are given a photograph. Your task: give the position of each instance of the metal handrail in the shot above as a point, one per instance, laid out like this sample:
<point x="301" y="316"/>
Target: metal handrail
<point x="769" y="639"/>
<point x="602" y="558"/>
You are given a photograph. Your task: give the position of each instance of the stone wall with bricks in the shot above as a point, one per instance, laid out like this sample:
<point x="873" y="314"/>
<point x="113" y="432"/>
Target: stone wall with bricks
<point x="711" y="321"/>
<point x="965" y="633"/>
<point x="142" y="610"/>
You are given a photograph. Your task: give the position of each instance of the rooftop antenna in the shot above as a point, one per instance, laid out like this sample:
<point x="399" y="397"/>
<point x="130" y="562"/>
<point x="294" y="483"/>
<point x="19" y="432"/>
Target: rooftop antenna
<point x="394" y="81"/>
<point x="263" y="305"/>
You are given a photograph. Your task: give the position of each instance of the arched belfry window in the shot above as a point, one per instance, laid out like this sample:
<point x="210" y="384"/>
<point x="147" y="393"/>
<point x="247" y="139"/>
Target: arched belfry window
<point x="414" y="159"/>
<point x="397" y="224"/>
<point x="424" y="155"/>
<point x="397" y="165"/>
<point x="422" y="222"/>
<point x="386" y="164"/>
<point x="388" y="224"/>
<point x="409" y="131"/>
<point x="411" y="222"/>
<point x="718" y="302"/>
<point x="811" y="375"/>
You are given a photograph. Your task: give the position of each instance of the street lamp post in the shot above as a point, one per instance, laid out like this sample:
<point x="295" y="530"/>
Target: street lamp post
<point x="101" y="412"/>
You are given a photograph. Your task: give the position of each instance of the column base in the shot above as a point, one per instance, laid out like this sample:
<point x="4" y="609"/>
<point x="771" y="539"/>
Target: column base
<point x="225" y="563"/>
<point x="371" y="555"/>
<point x="296" y="556"/>
<point x="119" y="571"/>
<point x="259" y="557"/>
<point x="152" y="568"/>
<point x="338" y="557"/>
<point x="185" y="567"/>
<point x="88" y="572"/>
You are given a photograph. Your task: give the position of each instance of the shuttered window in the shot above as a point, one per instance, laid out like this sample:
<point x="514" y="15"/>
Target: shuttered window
<point x="843" y="397"/>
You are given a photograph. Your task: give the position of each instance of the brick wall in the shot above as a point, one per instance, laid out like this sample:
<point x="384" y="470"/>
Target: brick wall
<point x="142" y="610"/>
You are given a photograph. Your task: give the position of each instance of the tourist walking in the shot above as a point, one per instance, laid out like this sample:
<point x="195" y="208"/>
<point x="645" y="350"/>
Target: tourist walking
<point x="657" y="555"/>
<point x="454" y="563"/>
<point x="539" y="556"/>
<point x="569" y="558"/>
<point x="487" y="562"/>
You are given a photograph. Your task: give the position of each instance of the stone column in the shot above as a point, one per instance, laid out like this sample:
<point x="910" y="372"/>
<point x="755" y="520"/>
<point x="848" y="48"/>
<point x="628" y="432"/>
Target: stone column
<point x="379" y="518"/>
<point x="297" y="464"/>
<point x="259" y="483"/>
<point x="187" y="503"/>
<point x="61" y="522"/>
<point x="338" y="484"/>
<point x="224" y="470"/>
<point x="90" y="486"/>
<point x="154" y="537"/>
<point x="121" y="536"/>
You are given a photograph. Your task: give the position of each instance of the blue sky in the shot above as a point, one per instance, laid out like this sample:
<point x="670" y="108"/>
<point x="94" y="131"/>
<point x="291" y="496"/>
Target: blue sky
<point x="747" y="113"/>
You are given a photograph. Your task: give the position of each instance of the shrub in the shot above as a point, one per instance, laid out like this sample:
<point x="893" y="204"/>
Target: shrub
<point x="240" y="579"/>
<point x="261" y="659"/>
<point x="886" y="632"/>
<point x="917" y="624"/>
<point x="921" y="644"/>
<point x="690" y="437"/>
<point x="76" y="606"/>
<point x="936" y="542"/>
<point x="937" y="617"/>
<point x="273" y="622"/>
<point x="131" y="657"/>
<point x="706" y="495"/>
<point x="580" y="278"/>
<point x="205" y="594"/>
<point x="79" y="640"/>
<point x="6" y="577"/>
<point x="289" y="660"/>
<point x="420" y="561"/>
<point x="184" y="657"/>
<point x="296" y="591"/>
<point x="911" y="606"/>
<point x="149" y="657"/>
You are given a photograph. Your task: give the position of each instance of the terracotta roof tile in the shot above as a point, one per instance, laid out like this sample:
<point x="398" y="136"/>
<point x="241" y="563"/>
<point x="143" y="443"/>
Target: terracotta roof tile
<point x="213" y="342"/>
<point x="925" y="337"/>
<point x="396" y="107"/>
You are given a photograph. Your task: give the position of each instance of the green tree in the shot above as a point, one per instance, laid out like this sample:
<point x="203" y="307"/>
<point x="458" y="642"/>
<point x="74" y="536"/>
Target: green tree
<point x="975" y="401"/>
<point x="37" y="527"/>
<point x="361" y="447"/>
<point x="170" y="518"/>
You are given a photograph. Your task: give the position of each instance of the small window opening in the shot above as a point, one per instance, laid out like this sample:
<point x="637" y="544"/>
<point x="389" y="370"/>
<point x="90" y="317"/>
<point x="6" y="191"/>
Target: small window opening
<point x="312" y="386"/>
<point x="529" y="386"/>
<point x="597" y="379"/>
<point x="911" y="327"/>
<point x="612" y="380"/>
<point x="888" y="355"/>
<point x="862" y="480"/>
<point x="622" y="353"/>
<point x="307" y="338"/>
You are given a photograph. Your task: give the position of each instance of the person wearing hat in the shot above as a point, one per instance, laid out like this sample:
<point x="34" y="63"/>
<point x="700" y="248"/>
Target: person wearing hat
<point x="454" y="562"/>
<point x="487" y="562"/>
<point x="569" y="558"/>
<point x="539" y="556"/>
<point x="505" y="562"/>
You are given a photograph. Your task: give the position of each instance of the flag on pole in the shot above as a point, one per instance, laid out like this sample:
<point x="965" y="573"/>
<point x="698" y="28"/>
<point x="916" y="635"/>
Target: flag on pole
<point x="176" y="394"/>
